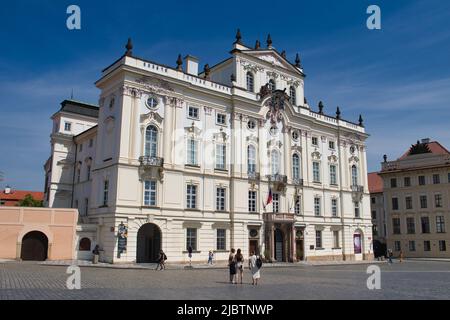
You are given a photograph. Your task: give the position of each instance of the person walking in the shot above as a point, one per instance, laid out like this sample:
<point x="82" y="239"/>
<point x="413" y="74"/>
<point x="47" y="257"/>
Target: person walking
<point x="232" y="266"/>
<point x="254" y="264"/>
<point x="239" y="265"/>
<point x="401" y="256"/>
<point x="210" y="257"/>
<point x="161" y="260"/>
<point x="190" y="255"/>
<point x="390" y="256"/>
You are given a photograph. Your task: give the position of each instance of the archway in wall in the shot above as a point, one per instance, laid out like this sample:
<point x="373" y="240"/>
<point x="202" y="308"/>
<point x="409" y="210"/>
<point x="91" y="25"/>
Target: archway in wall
<point x="358" y="244"/>
<point x="148" y="243"/>
<point x="279" y="247"/>
<point x="34" y="246"/>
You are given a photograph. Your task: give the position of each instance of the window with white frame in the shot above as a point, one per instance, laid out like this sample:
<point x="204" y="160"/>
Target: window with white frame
<point x="220" y="156"/>
<point x="276" y="202"/>
<point x="67" y="126"/>
<point x="316" y="171"/>
<point x="151" y="141"/>
<point x="333" y="178"/>
<point x="315" y="141"/>
<point x="250" y="82"/>
<point x="442" y="245"/>
<point x="410" y="225"/>
<point x="412" y="245"/>
<point x="423" y="201"/>
<point x="191" y="196"/>
<point x="252" y="201"/>
<point x="251" y="159"/>
<point x="150" y="193"/>
<point x="336" y="239"/>
<point x="221" y="118"/>
<point x="221" y="239"/>
<point x="191" y="239"/>
<point x="317" y="206"/>
<point x="396" y="226"/>
<point x="295" y="166"/>
<point x="354" y="175"/>
<point x="440" y="224"/>
<point x="357" y="210"/>
<point x="331" y="145"/>
<point x="192" y="147"/>
<point x="438" y="200"/>
<point x="292" y="96"/>
<point x="275" y="162"/>
<point x="105" y="192"/>
<point x="334" y="207"/>
<point x="193" y="112"/>
<point x="220" y="199"/>
<point x="318" y="239"/>
<point x="436" y="179"/>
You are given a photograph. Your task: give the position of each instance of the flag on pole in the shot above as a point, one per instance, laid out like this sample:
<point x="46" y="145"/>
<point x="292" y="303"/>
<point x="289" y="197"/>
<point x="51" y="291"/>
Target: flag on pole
<point x="269" y="197"/>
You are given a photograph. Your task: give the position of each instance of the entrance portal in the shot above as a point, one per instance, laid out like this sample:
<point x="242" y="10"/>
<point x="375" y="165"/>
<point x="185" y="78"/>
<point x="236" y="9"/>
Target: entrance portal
<point x="148" y="243"/>
<point x="34" y="246"/>
<point x="279" y="249"/>
<point x="299" y="249"/>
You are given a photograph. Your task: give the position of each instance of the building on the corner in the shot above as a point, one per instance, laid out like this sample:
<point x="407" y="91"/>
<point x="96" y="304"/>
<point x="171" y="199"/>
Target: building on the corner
<point x="176" y="158"/>
<point x="416" y="189"/>
<point x="378" y="214"/>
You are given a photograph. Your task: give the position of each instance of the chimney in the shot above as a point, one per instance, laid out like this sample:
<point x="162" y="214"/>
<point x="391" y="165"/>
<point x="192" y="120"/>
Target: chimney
<point x="7" y="190"/>
<point x="426" y="140"/>
<point x="191" y="64"/>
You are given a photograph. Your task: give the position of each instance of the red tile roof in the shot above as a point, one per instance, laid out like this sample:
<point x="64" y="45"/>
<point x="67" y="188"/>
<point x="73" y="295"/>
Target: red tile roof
<point x="434" y="146"/>
<point x="375" y="183"/>
<point x="12" y="198"/>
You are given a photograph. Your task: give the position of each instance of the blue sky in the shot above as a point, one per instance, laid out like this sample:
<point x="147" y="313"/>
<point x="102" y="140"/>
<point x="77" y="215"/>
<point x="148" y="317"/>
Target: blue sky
<point x="397" y="77"/>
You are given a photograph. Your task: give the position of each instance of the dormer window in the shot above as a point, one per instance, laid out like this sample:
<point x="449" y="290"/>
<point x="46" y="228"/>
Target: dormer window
<point x="292" y="97"/>
<point x="271" y="85"/>
<point x="250" y="82"/>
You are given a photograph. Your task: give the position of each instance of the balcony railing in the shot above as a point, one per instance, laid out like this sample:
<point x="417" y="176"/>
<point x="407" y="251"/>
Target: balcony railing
<point x="277" y="178"/>
<point x="253" y="176"/>
<point x="151" y="161"/>
<point x="357" y="188"/>
<point x="297" y="182"/>
<point x="279" y="217"/>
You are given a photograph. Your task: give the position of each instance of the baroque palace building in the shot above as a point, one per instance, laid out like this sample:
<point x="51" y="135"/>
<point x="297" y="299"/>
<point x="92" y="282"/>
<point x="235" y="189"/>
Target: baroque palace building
<point x="174" y="158"/>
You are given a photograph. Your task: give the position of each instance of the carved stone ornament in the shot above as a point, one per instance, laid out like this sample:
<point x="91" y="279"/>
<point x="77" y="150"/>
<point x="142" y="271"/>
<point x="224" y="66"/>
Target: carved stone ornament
<point x="332" y="158"/>
<point x="276" y="105"/>
<point x="272" y="74"/>
<point x="154" y="85"/>
<point x="251" y="67"/>
<point x="151" y="116"/>
<point x="296" y="148"/>
<point x="353" y="159"/>
<point x="220" y="136"/>
<point x="208" y="110"/>
<point x="316" y="155"/>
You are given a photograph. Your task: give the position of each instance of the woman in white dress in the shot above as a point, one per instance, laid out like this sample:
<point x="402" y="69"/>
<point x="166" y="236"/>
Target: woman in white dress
<point x="252" y="265"/>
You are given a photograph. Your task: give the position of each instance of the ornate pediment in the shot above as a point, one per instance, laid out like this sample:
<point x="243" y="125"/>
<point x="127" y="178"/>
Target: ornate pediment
<point x="151" y="116"/>
<point x="316" y="155"/>
<point x="296" y="148"/>
<point x="252" y="138"/>
<point x="332" y="158"/>
<point x="220" y="136"/>
<point x="353" y="159"/>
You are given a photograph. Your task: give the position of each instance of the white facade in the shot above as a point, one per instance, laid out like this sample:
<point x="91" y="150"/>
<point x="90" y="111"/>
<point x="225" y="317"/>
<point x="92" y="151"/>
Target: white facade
<point x="170" y="162"/>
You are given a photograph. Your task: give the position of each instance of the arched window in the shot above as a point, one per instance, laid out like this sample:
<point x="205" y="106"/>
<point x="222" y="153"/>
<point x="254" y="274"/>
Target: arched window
<point x="250" y="82"/>
<point x="85" y="244"/>
<point x="151" y="141"/>
<point x="292" y="97"/>
<point x="295" y="166"/>
<point x="251" y="159"/>
<point x="272" y="85"/>
<point x="275" y="162"/>
<point x="354" y="175"/>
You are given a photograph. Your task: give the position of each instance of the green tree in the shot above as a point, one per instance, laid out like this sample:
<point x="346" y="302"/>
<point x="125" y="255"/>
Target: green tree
<point x="29" y="201"/>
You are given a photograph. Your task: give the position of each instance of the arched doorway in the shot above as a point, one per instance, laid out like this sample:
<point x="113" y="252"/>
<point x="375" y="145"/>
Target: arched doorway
<point x="279" y="249"/>
<point x="148" y="243"/>
<point x="358" y="245"/>
<point x="34" y="246"/>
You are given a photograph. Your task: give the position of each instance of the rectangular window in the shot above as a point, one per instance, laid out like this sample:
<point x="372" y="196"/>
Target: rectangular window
<point x="67" y="126"/>
<point x="191" y="239"/>
<point x="80" y="149"/>
<point x="336" y="239"/>
<point x="86" y="206"/>
<point x="220" y="199"/>
<point x="448" y="177"/>
<point x="442" y="245"/>
<point x="192" y="152"/>
<point x="316" y="172"/>
<point x="396" y="225"/>
<point x="410" y="225"/>
<point x="425" y="221"/>
<point x="221" y="118"/>
<point x="314" y="141"/>
<point x="297" y="207"/>
<point x="150" y="193"/>
<point x="394" y="203"/>
<point x="412" y="246"/>
<point x="88" y="173"/>
<point x="220" y="156"/>
<point x="426" y="245"/>
<point x="421" y="180"/>
<point x="373" y="199"/>
<point x="397" y="246"/>
<point x="334" y="208"/>
<point x="276" y="202"/>
<point x="251" y="201"/>
<point x="436" y="179"/>
<point x="393" y="182"/>
<point x="331" y="145"/>
<point x="193" y="112"/>
<point x="357" y="211"/>
<point x="438" y="200"/>
<point x="333" y="179"/>
<point x="440" y="224"/>
<point x="374" y="230"/>
<point x="105" y="192"/>
<point x="408" y="203"/>
<point x="374" y="214"/>
<point x="316" y="206"/>
<point x="221" y="239"/>
<point x="191" y="196"/>
<point x="91" y="143"/>
<point x="423" y="202"/>
<point x="407" y="181"/>
<point x="318" y="239"/>
<point x="78" y="175"/>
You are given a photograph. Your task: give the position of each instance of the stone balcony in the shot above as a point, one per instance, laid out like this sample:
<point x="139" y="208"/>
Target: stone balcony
<point x="357" y="188"/>
<point x="151" y="167"/>
<point x="253" y="176"/>
<point x="278" y="181"/>
<point x="151" y="161"/>
<point x="357" y="192"/>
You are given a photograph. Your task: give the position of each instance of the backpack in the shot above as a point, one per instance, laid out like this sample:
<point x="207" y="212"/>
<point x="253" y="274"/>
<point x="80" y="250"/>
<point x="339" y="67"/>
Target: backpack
<point x="165" y="257"/>
<point x="259" y="262"/>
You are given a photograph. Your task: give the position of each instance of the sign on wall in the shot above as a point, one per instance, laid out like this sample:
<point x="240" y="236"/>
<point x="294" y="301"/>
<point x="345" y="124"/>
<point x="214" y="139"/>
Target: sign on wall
<point x="122" y="236"/>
